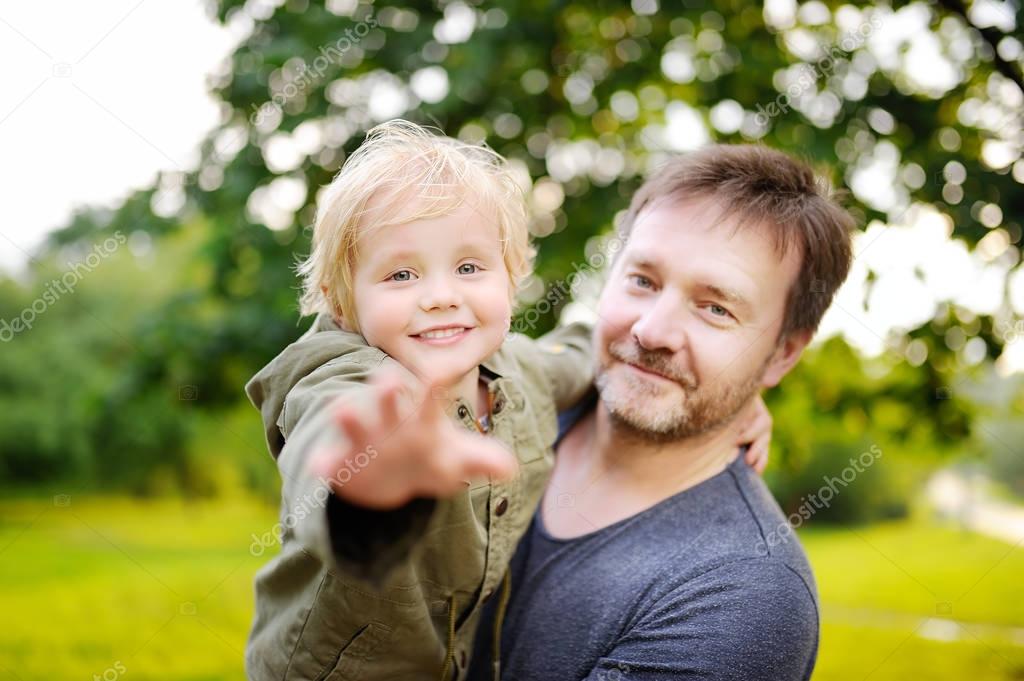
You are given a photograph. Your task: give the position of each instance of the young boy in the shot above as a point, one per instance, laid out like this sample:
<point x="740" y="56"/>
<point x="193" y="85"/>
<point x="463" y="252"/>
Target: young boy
<point x="393" y="536"/>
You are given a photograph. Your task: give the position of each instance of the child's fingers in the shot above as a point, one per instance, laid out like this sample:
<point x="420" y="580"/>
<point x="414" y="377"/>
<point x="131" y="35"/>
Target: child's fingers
<point x="745" y="434"/>
<point x="325" y="464"/>
<point x="388" y="386"/>
<point x="435" y="399"/>
<point x="472" y="458"/>
<point x="748" y="434"/>
<point x="488" y="460"/>
<point x="753" y="428"/>
<point x="389" y="404"/>
<point x="753" y="458"/>
<point x="351" y="425"/>
<point x="757" y="455"/>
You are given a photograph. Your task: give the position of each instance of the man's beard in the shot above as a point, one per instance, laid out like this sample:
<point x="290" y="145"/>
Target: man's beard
<point x="700" y="409"/>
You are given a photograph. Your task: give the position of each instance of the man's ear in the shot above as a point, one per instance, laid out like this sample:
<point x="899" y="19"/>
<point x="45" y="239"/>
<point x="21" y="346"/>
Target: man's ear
<point x="786" y="355"/>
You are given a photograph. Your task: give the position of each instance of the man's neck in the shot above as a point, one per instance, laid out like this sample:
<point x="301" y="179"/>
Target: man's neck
<point x="611" y="474"/>
<point x="674" y="465"/>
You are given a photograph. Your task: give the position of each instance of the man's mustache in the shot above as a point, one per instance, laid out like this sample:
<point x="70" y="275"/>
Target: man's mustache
<point x="655" y="361"/>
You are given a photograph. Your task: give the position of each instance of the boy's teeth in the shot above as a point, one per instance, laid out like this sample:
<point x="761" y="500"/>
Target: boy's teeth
<point x="442" y="333"/>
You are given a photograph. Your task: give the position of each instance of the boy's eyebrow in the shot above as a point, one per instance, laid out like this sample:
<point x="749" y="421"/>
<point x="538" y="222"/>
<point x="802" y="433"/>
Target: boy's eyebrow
<point x="400" y="253"/>
<point x="472" y="248"/>
<point x="403" y="253"/>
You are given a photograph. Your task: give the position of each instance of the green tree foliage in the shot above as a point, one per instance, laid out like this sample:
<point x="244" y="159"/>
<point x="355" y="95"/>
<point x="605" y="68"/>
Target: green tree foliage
<point x="585" y="98"/>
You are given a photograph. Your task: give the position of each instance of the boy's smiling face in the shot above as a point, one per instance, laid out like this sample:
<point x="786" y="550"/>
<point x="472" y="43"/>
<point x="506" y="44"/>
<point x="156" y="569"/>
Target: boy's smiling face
<point x="435" y="294"/>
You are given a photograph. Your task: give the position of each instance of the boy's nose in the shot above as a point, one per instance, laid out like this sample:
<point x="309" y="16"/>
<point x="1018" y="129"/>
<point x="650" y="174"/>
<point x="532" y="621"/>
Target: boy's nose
<point x="440" y="295"/>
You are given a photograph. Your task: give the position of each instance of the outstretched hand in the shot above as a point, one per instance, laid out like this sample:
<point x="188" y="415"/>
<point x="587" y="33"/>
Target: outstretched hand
<point x="398" y="444"/>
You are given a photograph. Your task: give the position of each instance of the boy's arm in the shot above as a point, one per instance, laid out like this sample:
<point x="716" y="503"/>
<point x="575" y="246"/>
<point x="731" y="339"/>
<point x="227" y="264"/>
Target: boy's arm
<point x="356" y="541"/>
<point x="370" y="466"/>
<point x="566" y="358"/>
<point x="361" y="542"/>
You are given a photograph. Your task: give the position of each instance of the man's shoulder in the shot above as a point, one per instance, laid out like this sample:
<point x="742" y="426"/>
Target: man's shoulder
<point x="759" y="614"/>
<point x="731" y="531"/>
<point x="769" y="526"/>
<point x="756" y="583"/>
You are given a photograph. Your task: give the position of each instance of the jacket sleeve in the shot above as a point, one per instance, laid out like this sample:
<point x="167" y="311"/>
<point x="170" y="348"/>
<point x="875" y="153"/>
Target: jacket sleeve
<point x="356" y="541"/>
<point x="566" y="358"/>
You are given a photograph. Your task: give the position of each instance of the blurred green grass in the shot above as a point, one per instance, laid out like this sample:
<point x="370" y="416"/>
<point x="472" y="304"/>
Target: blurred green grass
<point x="913" y="599"/>
<point x="164" y="588"/>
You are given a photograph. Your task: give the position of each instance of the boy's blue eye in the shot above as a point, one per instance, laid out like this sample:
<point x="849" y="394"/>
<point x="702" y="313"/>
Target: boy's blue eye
<point x="401" y="275"/>
<point x="468" y="268"/>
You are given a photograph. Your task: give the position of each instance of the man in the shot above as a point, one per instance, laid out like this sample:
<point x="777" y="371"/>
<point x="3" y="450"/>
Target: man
<point x="648" y="559"/>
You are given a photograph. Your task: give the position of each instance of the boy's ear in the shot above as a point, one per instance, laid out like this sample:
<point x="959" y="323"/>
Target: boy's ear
<point x="339" y="317"/>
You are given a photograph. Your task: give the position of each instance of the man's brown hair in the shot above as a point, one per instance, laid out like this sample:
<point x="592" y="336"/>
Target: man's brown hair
<point x="762" y="187"/>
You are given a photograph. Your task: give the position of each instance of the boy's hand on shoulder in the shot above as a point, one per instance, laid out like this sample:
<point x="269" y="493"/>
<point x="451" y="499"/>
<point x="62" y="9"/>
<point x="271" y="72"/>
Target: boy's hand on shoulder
<point x="756" y="431"/>
<point x="398" y="444"/>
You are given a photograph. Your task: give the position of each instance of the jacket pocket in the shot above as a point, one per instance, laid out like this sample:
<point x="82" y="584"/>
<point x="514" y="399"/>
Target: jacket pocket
<point x="357" y="652"/>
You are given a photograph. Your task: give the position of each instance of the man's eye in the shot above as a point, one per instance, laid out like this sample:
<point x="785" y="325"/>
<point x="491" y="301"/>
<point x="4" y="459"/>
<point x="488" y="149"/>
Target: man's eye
<point x="641" y="281"/>
<point x="468" y="268"/>
<point x="401" y="275"/>
<point x="719" y="311"/>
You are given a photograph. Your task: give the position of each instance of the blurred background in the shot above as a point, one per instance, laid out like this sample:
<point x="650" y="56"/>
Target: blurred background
<point x="160" y="165"/>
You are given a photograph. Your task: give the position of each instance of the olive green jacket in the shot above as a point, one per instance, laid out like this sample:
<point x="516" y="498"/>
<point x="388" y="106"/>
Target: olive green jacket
<point x="363" y="595"/>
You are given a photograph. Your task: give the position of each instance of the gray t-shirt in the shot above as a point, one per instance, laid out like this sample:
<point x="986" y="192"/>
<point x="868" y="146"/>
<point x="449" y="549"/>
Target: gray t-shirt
<point x="706" y="584"/>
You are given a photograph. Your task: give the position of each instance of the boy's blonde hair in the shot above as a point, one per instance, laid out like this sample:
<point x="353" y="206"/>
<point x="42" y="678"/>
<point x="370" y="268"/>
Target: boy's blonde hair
<point x="409" y="173"/>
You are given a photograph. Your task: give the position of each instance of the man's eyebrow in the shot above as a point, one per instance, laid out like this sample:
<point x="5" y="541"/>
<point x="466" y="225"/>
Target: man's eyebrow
<point x="726" y="294"/>
<point x="644" y="261"/>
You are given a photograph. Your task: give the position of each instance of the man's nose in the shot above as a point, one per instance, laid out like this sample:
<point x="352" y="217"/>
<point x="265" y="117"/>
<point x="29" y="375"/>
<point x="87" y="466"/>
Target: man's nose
<point x="662" y="326"/>
<point x="440" y="293"/>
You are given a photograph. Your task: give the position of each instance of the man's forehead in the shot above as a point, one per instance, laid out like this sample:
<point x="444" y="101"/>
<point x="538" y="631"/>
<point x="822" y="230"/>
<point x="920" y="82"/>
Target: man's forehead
<point x="670" y="217"/>
<point x="699" y="209"/>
